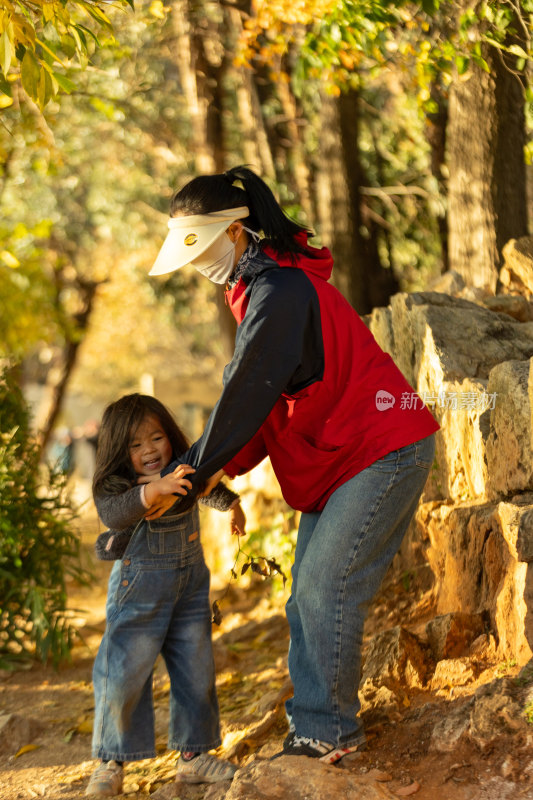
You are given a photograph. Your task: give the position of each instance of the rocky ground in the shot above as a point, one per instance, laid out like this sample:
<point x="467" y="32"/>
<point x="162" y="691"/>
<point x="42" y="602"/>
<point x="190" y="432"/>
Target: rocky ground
<point x="450" y="728"/>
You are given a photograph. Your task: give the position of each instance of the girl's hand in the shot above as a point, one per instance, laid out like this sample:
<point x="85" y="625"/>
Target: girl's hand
<point x="171" y="484"/>
<point x="176" y="482"/>
<point x="211" y="483"/>
<point x="237" y="520"/>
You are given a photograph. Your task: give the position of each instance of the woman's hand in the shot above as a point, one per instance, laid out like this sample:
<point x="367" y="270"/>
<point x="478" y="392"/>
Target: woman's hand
<point x="162" y="504"/>
<point x="160" y="494"/>
<point x="237" y="520"/>
<point x="211" y="483"/>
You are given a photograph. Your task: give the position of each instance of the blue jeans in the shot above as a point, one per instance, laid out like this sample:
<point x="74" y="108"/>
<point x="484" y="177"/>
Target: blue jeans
<point x="342" y="555"/>
<point x="157" y="602"/>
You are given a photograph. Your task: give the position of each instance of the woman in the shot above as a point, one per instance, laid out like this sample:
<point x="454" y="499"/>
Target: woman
<point x="309" y="387"/>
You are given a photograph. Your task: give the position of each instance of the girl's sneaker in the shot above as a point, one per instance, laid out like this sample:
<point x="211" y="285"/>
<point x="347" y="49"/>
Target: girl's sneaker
<point x="204" y="768"/>
<point x="106" y="780"/>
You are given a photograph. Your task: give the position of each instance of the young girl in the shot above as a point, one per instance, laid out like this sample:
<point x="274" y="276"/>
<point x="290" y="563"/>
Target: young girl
<point x="158" y="600"/>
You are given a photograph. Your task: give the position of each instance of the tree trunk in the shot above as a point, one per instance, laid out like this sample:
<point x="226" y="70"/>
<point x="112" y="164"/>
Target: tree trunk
<point x="296" y="156"/>
<point x="187" y="57"/>
<point x="255" y="141"/>
<point x="74" y="334"/>
<point x="487" y="186"/>
<point x="283" y="131"/>
<point x="436" y="125"/>
<point x="202" y="61"/>
<point x="359" y="274"/>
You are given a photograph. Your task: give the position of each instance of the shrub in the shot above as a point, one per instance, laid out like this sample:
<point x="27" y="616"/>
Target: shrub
<point x="39" y="546"/>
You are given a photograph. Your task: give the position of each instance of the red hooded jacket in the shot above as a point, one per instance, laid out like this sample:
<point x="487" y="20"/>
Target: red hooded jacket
<point x="308" y="385"/>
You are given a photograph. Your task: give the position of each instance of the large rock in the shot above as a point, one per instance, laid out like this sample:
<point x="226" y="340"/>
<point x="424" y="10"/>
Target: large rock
<point x="496" y="713"/>
<point x="434" y="338"/>
<point x="517" y="271"/>
<point x="461" y="471"/>
<point x="302" y="779"/>
<point x="451" y="729"/>
<point x="466" y="554"/>
<point x="473" y="550"/>
<point x="450" y="635"/>
<point x="509" y="455"/>
<point x="516" y="523"/>
<point x="515" y="305"/>
<point x="447" y="347"/>
<point x="453" y="672"/>
<point x="395" y="658"/>
<point x="512" y="613"/>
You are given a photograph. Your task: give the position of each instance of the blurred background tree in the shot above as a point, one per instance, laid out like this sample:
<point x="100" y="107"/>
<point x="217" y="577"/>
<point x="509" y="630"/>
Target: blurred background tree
<point x="39" y="546"/>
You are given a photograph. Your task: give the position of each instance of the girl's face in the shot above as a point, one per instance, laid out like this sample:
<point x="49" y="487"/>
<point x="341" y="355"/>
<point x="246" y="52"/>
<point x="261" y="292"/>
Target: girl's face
<point x="150" y="449"/>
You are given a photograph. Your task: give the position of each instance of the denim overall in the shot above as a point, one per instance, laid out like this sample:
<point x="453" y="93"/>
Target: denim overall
<point x="157" y="602"/>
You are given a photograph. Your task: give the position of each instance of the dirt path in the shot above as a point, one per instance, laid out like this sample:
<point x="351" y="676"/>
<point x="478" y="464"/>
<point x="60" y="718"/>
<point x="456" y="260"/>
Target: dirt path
<point x="250" y="650"/>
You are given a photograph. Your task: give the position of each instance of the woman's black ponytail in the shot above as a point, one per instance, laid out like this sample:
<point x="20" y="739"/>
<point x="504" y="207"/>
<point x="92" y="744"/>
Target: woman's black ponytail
<point x="208" y="193"/>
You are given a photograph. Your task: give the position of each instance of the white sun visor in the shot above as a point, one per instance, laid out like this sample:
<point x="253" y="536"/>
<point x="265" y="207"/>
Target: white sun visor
<point x="189" y="236"/>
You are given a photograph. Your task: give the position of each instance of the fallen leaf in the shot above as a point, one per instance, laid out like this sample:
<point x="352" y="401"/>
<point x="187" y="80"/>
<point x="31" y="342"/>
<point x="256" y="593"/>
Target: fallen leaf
<point x="406" y="791"/>
<point x="27" y="749"/>
<point x="69" y="779"/>
<point x="85" y="726"/>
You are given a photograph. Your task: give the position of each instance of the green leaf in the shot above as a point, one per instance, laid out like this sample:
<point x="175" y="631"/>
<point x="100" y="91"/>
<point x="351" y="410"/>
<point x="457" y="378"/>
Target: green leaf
<point x="79" y="38"/>
<point x="480" y="61"/>
<point x="68" y="45"/>
<point x="65" y="83"/>
<point x="5" y="87"/>
<point x="462" y="62"/>
<point x="30" y="73"/>
<point x="97" y="14"/>
<point x="82" y="30"/>
<point x="516" y="50"/>
<point x="430" y="6"/>
<point x="6" y="52"/>
<point x="19" y="51"/>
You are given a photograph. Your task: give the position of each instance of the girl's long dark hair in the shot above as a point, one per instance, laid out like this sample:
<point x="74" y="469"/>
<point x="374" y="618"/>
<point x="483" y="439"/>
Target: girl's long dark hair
<point x="207" y="193"/>
<point x="114" y="472"/>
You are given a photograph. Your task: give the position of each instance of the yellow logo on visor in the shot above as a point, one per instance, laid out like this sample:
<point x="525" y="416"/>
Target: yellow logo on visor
<point x="190" y="239"/>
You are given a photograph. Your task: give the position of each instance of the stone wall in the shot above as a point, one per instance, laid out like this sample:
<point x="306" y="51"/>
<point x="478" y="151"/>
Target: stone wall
<point x="472" y="363"/>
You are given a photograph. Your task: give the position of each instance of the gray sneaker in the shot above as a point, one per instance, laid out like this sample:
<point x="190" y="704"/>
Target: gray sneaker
<point x="106" y="780"/>
<point x="204" y="768"/>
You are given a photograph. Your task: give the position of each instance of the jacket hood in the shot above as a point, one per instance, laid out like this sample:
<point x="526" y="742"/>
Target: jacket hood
<point x="319" y="262"/>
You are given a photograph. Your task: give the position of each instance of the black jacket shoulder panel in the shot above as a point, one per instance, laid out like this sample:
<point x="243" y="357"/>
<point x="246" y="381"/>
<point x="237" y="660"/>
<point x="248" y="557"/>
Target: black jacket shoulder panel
<point x="278" y="350"/>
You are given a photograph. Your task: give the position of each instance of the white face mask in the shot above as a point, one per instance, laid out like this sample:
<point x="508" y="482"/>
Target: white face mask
<point x="218" y="261"/>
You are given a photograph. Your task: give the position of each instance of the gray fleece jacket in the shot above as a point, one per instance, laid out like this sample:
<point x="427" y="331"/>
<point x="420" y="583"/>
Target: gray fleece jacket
<point x="122" y="512"/>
